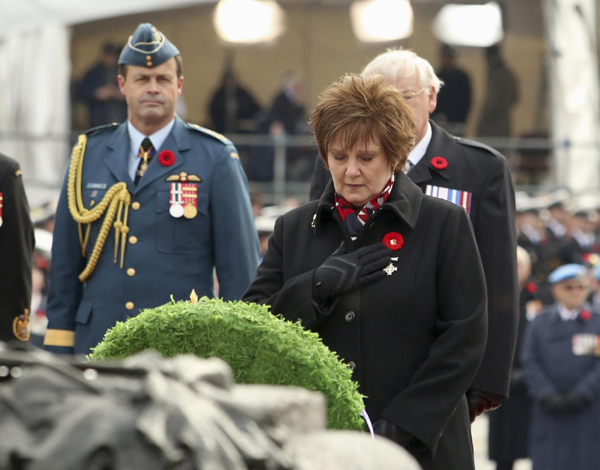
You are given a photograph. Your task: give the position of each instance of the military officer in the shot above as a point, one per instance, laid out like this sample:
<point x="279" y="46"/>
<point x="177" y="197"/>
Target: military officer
<point x="477" y="178"/>
<point x="16" y="252"/>
<point x="148" y="209"/>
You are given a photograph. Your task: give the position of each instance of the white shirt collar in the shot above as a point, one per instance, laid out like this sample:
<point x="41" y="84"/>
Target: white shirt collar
<point x="418" y="151"/>
<point x="566" y="314"/>
<point x="136" y="138"/>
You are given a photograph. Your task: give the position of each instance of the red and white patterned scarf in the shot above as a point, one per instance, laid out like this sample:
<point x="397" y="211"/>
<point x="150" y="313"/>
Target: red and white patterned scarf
<point x="356" y="220"/>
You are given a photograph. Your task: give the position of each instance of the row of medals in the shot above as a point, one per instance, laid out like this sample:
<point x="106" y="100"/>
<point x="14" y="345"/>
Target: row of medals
<point x="187" y="210"/>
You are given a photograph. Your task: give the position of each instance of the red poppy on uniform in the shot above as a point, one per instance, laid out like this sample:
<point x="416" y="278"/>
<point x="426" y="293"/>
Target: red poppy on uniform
<point x="439" y="163"/>
<point x="585" y="315"/>
<point x="531" y="287"/>
<point x="393" y="240"/>
<point x="166" y="158"/>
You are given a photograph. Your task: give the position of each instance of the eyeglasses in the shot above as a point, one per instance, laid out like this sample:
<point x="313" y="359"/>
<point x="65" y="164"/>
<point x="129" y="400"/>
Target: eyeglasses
<point x="571" y="287"/>
<point x="409" y="96"/>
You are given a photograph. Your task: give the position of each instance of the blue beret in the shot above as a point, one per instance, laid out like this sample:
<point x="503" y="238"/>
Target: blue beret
<point x="567" y="271"/>
<point x="147" y="47"/>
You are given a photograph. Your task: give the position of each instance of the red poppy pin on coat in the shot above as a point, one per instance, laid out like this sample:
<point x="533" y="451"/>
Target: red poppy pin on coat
<point x="439" y="163"/>
<point x="393" y="240"/>
<point x="166" y="158"/>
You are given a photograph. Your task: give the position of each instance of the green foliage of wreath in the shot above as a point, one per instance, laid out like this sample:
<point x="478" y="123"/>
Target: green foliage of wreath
<point x="260" y="348"/>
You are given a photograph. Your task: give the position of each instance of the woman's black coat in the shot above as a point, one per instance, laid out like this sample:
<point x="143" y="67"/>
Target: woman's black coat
<point x="414" y="339"/>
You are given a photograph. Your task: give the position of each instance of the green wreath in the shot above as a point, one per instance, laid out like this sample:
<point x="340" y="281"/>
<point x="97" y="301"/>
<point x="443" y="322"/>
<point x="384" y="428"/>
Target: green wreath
<point x="260" y="348"/>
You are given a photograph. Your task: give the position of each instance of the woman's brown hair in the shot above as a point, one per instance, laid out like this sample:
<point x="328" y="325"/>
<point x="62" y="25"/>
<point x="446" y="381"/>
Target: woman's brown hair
<point x="357" y="109"/>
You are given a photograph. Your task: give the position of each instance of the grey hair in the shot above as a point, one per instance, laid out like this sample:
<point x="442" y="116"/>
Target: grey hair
<point x="395" y="62"/>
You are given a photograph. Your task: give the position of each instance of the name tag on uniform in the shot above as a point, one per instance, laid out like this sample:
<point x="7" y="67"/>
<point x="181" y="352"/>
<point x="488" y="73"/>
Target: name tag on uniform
<point x="586" y="345"/>
<point x="95" y="186"/>
<point x="456" y="196"/>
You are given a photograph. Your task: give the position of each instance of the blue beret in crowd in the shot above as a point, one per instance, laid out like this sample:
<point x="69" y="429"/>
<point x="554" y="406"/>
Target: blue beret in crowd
<point x="567" y="271"/>
<point x="147" y="47"/>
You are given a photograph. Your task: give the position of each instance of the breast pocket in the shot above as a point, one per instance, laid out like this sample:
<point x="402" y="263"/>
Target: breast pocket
<point x="91" y="199"/>
<point x="181" y="235"/>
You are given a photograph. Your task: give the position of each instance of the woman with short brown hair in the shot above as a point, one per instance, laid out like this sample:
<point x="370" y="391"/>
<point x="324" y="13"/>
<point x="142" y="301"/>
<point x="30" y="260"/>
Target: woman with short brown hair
<point x="389" y="278"/>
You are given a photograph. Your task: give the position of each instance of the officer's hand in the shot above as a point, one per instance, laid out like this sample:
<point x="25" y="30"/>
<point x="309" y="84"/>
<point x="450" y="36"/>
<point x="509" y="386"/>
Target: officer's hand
<point x="480" y="402"/>
<point x="345" y="272"/>
<point x="574" y="402"/>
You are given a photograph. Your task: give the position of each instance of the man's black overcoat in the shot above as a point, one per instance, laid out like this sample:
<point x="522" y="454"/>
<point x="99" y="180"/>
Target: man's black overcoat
<point x="415" y="338"/>
<point x="16" y="252"/>
<point x="484" y="173"/>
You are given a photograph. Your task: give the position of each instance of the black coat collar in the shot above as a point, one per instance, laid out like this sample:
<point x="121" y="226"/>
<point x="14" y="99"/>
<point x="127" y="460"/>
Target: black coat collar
<point x="441" y="145"/>
<point x="404" y="202"/>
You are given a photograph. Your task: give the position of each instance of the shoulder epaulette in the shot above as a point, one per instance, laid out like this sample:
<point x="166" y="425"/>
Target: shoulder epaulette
<point x="100" y="129"/>
<point x="205" y="131"/>
<point x="479" y="145"/>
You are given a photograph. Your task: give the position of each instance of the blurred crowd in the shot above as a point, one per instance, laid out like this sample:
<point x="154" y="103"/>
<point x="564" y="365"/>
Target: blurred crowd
<point x="234" y="109"/>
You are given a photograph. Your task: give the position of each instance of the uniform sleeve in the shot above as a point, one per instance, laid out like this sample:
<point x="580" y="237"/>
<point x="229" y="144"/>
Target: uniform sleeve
<point x="16" y="251"/>
<point x="66" y="289"/>
<point x="235" y="236"/>
<point x="269" y="287"/>
<point x="426" y="406"/>
<point x="538" y="382"/>
<point x="496" y="238"/>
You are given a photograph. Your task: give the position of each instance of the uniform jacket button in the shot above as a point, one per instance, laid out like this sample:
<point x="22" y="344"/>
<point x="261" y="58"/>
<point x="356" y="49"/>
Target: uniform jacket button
<point x="135" y="206"/>
<point x="133" y="240"/>
<point x="131" y="272"/>
<point x="350" y="316"/>
<point x="352" y="365"/>
<point x="129" y="305"/>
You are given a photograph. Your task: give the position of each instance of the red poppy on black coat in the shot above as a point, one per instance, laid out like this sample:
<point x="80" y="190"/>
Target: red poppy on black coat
<point x="439" y="163"/>
<point x="166" y="158"/>
<point x="393" y="240"/>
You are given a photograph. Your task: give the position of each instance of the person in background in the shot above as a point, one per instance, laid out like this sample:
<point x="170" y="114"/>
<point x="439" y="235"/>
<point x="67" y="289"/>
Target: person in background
<point x="16" y="253"/>
<point x="100" y="90"/>
<point x="580" y="240"/>
<point x="502" y="93"/>
<point x="180" y="209"/>
<point x="561" y="360"/>
<point x="454" y="99"/>
<point x="594" y="297"/>
<point x="377" y="270"/>
<point x="508" y="436"/>
<point x="232" y="107"/>
<point x="477" y="178"/>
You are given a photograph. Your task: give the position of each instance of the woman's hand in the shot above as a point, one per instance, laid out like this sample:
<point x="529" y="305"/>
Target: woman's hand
<point x="342" y="273"/>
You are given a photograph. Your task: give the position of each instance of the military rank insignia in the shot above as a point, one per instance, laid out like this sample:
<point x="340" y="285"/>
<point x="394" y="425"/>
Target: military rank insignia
<point x="183" y="199"/>
<point x="1" y="204"/>
<point x="586" y="345"/>
<point x="456" y="196"/>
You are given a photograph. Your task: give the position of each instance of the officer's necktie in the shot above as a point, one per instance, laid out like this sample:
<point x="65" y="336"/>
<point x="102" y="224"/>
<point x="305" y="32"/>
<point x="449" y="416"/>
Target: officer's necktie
<point x="145" y="152"/>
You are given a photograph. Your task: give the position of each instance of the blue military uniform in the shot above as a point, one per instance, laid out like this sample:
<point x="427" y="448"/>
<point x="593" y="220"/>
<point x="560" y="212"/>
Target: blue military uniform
<point x="562" y="356"/>
<point x="147" y="253"/>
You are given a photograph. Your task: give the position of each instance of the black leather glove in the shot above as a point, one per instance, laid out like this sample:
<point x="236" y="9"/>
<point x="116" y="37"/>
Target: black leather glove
<point x="344" y="272"/>
<point x="385" y="428"/>
<point x="564" y="403"/>
<point x="480" y="402"/>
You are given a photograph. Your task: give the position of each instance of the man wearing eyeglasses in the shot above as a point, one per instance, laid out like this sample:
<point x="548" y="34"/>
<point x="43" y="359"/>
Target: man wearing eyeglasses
<point x="561" y="360"/>
<point x="477" y="178"/>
